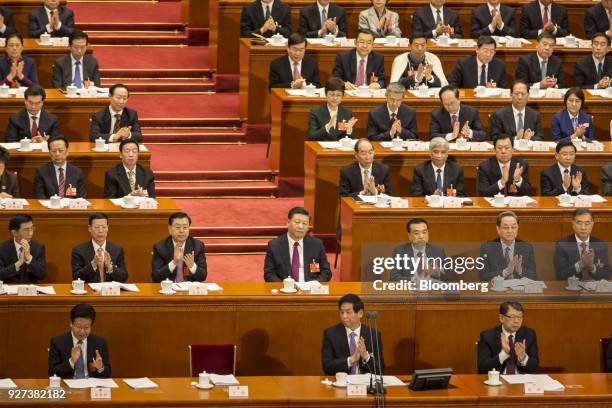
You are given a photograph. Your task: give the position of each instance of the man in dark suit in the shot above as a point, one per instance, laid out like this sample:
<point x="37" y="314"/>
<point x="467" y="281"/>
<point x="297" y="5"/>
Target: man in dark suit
<point x="332" y="121"/>
<point x="9" y="185"/>
<point x="347" y="347"/>
<point x="517" y="120"/>
<point x="606" y="179"/>
<point x="597" y="19"/>
<point x="53" y="19"/>
<point x="98" y="260"/>
<point x="16" y="69"/>
<point x="84" y="66"/>
<point x="22" y="260"/>
<point x="364" y="176"/>
<point x="179" y="257"/>
<point x="117" y="122"/>
<point x="480" y="69"/>
<point x="434" y="20"/>
<point x="493" y="18"/>
<point x="503" y="173"/>
<point x="509" y="348"/>
<point x="507" y="256"/>
<point x="261" y="19"/>
<point x="7" y="26"/>
<point x="420" y="259"/>
<point x="455" y="119"/>
<point x="393" y="119"/>
<point x="438" y="175"/>
<point x="564" y="176"/>
<point x="594" y="71"/>
<point x="541" y="67"/>
<point x="322" y="18"/>
<point x="293" y="70"/>
<point x="129" y="177"/>
<point x="295" y="254"/>
<point x="581" y="254"/>
<point x="78" y="353"/>
<point x="543" y="15"/>
<point x="361" y="66"/>
<point x="32" y="122"/>
<point x="59" y="177"/>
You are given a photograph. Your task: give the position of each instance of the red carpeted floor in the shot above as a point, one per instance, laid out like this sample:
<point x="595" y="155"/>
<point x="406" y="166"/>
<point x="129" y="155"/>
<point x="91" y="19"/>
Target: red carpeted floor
<point x="222" y="105"/>
<point x="167" y="57"/>
<point x="208" y="157"/>
<point x="110" y="12"/>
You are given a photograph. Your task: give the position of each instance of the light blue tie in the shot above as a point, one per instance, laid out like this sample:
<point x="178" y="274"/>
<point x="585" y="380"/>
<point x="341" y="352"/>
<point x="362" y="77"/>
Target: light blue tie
<point x="520" y="124"/>
<point x="575" y="122"/>
<point x="79" y="366"/>
<point x="78" y="81"/>
<point x="543" y="70"/>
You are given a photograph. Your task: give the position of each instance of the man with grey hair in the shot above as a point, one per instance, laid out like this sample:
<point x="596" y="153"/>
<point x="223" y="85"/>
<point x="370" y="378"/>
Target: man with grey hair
<point x="392" y="119"/>
<point x="438" y="176"/>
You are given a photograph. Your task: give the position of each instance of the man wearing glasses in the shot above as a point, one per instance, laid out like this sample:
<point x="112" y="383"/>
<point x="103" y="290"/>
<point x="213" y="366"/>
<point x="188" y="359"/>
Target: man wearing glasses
<point x="293" y="70"/>
<point x="481" y="69"/>
<point x="22" y="260"/>
<point x="361" y="66"/>
<point x="509" y="348"/>
<point x="564" y="176"/>
<point x="364" y="176"/>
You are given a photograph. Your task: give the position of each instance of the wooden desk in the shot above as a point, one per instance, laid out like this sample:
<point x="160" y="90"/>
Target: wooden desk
<point x="60" y="230"/>
<point x="21" y="9"/>
<point x="225" y="22"/>
<point x="416" y="328"/>
<point x="93" y="164"/>
<point x="365" y="229"/>
<point x="322" y="167"/>
<point x="255" y="66"/>
<point x="73" y="114"/>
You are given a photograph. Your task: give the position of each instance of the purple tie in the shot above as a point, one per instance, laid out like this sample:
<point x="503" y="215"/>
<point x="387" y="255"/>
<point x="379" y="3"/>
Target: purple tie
<point x="545" y="16"/>
<point x="353" y="349"/>
<point x="511" y="366"/>
<point x="295" y="262"/>
<point x="584" y="273"/>
<point x="507" y="255"/>
<point x="361" y="73"/>
<point x="179" y="270"/>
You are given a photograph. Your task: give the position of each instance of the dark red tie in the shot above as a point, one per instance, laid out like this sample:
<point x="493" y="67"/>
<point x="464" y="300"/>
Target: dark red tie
<point x="584" y="272"/>
<point x="34" y="131"/>
<point x="511" y="365"/>
<point x="295" y="262"/>
<point x="62" y="183"/>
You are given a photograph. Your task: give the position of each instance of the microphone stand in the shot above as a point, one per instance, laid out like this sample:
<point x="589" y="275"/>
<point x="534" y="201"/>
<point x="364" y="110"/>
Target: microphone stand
<point x="377" y="389"/>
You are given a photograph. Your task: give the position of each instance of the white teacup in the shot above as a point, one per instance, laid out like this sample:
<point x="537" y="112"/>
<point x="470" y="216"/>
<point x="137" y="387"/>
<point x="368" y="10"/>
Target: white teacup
<point x="45" y="39"/>
<point x="341" y="378"/>
<point x="100" y="144"/>
<point x="498" y="283"/>
<point x="55" y="201"/>
<point x="44" y="146"/>
<point x="572" y="282"/>
<point x="2" y="42"/>
<point x="278" y="39"/>
<point x="71" y="90"/>
<point x="166" y="285"/>
<point x="204" y="379"/>
<point x="498" y="199"/>
<point x="493" y="376"/>
<point x="55" y="381"/>
<point x="391" y="39"/>
<point x="309" y="90"/>
<point x="78" y="285"/>
<point x="24" y="144"/>
<point x="423" y="90"/>
<point x="128" y="201"/>
<point x="443" y="40"/>
<point x="566" y="199"/>
<point x="4" y="91"/>
<point x="481" y="90"/>
<point x="288" y="283"/>
<point x="329" y="38"/>
<point x="398" y="143"/>
<point x="363" y="91"/>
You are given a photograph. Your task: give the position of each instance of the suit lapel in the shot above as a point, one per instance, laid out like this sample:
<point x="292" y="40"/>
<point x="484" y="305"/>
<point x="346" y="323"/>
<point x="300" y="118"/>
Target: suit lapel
<point x="123" y="179"/>
<point x="106" y="120"/>
<point x="357" y="174"/>
<point x="448" y="175"/>
<point x="342" y="341"/>
<point x="52" y="176"/>
<point x="285" y="256"/>
<point x="43" y="16"/>
<point x="353" y="65"/>
<point x="510" y="119"/>
<point x="259" y="16"/>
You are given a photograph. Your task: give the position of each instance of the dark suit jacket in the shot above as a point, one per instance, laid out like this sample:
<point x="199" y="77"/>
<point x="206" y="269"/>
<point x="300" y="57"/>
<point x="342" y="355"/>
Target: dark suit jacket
<point x="18" y="126"/>
<point x="432" y="251"/>
<point x="281" y="72"/>
<point x="489" y="174"/>
<point x="277" y="265"/>
<point x="610" y="355"/>
<point x="101" y="124"/>
<point x="38" y="20"/>
<point x="481" y="18"/>
<point x="466" y="74"/>
<point x="551" y="182"/>
<point x="596" y="20"/>
<point x="116" y="184"/>
<point x="562" y="127"/>
<point x="351" y="182"/>
<point x="62" y="71"/>
<point x="440" y="123"/>
<point x="8" y="22"/>
<point x="253" y="18"/>
<point x="423" y="21"/>
<point x="60" y="351"/>
<point x="310" y="20"/>
<point x="494" y="262"/>
<point x="531" y="19"/>
<point x="83" y="254"/>
<point x="567" y="254"/>
<point x="489" y="347"/>
<point x="163" y="254"/>
<point x="346" y="67"/>
<point x="9" y="184"/>
<point x="30" y="72"/>
<point x="424" y="179"/>
<point x="585" y="71"/>
<point x="606" y="180"/>
<point x="379" y="123"/>
<point x="335" y="350"/>
<point x="35" y="271"/>
<point x="318" y="118"/>
<point x="502" y="123"/>
<point x="528" y="69"/>
<point x="45" y="181"/>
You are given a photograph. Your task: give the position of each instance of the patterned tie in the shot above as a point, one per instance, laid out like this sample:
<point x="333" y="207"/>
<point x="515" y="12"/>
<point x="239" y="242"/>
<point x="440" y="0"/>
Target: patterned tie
<point x="78" y="82"/>
<point x="507" y="255"/>
<point x="584" y="272"/>
<point x="34" y="131"/>
<point x="132" y="180"/>
<point x="267" y="13"/>
<point x="439" y="185"/>
<point x="511" y="365"/>
<point x="600" y="71"/>
<point x="51" y="14"/>
<point x="62" y="183"/>
<point x="295" y="262"/>
<point x="101" y="264"/>
<point x="296" y="71"/>
<point x="117" y="125"/>
<point x="545" y="16"/>
<point x="483" y="75"/>
<point x="453" y="120"/>
<point x="543" y="70"/>
<point x="393" y="117"/>
<point x="520" y="124"/>
<point x="323" y="17"/>
<point x="438" y="17"/>
<point x="79" y="366"/>
<point x="352" y="350"/>
<point x="179" y="267"/>
<point x="366" y="176"/>
<point x="361" y="73"/>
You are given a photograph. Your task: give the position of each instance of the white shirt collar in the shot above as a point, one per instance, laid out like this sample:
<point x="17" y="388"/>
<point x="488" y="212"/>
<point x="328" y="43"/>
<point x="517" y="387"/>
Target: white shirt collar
<point x="435" y="168"/>
<point x="507" y="333"/>
<point x="63" y="166"/>
<point x="562" y="169"/>
<point x="597" y="61"/>
<point x="516" y="111"/>
<point x="96" y="246"/>
<point x="174" y="244"/>
<point x="357" y="331"/>
<point x="458" y="111"/>
<point x="291" y="62"/>
<point x="75" y="341"/>
<point x="73" y="60"/>
<point x="362" y="169"/>
<point x="492" y="7"/>
<point x="113" y="113"/>
<point x="264" y="5"/>
<point x="542" y="8"/>
<point x="127" y="170"/>
<point x="321" y="8"/>
<point x="292" y="241"/>
<point x="390" y="111"/>
<point x="435" y="12"/>
<point x="359" y="58"/>
<point x="579" y="241"/>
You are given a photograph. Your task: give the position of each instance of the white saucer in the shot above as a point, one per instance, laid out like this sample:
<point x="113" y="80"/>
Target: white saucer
<point x="348" y="149"/>
<point x="172" y="292"/>
<point x="382" y="206"/>
<point x="498" y="206"/>
<point x="343" y="385"/>
<point x="565" y="205"/>
<point x="288" y="290"/>
<point x="492" y="384"/>
<point x="578" y="289"/>
<point x="128" y="206"/>
<point x="100" y="150"/>
<point x="434" y="206"/>
<point x="204" y="387"/>
<point x="24" y="151"/>
<point x="398" y="149"/>
<point x="78" y="292"/>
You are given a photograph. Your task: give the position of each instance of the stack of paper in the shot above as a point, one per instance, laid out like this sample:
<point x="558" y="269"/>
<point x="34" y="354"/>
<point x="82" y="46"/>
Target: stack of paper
<point x="184" y="286"/>
<point x="130" y="287"/>
<point x="23" y="201"/>
<point x="364" y="379"/>
<point x="528" y="200"/>
<point x="140" y="383"/>
<point x="336" y="145"/>
<point x="91" y="383"/>
<point x="224" y="379"/>
<point x="547" y="383"/>
<point x="65" y="202"/>
<point x="119" y="201"/>
<point x="13" y="289"/>
<point x="7" y="383"/>
<point x="519" y="284"/>
<point x="306" y="286"/>
<point x="595" y="198"/>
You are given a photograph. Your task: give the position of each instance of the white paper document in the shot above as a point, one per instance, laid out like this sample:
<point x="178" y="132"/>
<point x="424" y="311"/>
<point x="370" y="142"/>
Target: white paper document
<point x="65" y="202"/>
<point x="306" y="286"/>
<point x="140" y="383"/>
<point x="547" y="383"/>
<point x="521" y="283"/>
<point x="337" y="146"/>
<point x="184" y="286"/>
<point x="595" y="198"/>
<point x="528" y="200"/>
<point x="130" y="287"/>
<point x="13" y="289"/>
<point x="600" y="92"/>
<point x="91" y="382"/>
<point x="224" y="379"/>
<point x="7" y="383"/>
<point x="364" y="379"/>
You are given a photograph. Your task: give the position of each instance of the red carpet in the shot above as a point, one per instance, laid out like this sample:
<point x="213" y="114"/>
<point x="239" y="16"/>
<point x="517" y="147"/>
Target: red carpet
<point x="159" y="58"/>
<point x="208" y="157"/>
<point x="109" y="12"/>
<point x="224" y="105"/>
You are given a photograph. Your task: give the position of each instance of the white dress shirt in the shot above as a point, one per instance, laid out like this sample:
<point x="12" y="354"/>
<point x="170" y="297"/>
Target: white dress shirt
<point x="479" y="68"/>
<point x="357" y="331"/>
<point x="596" y="62"/>
<point x="103" y="246"/>
<point x="37" y="115"/>
<point x="326" y="8"/>
<point x="63" y="166"/>
<point x="365" y="67"/>
<point x="449" y="136"/>
<point x="579" y="243"/>
<point x="264" y="6"/>
<point x="362" y="171"/>
<point x="510" y="176"/>
<point x="549" y="16"/>
<point x="111" y="138"/>
<point x="562" y="170"/>
<point x="75" y="342"/>
<point x="301" y="254"/>
<point x="435" y="170"/>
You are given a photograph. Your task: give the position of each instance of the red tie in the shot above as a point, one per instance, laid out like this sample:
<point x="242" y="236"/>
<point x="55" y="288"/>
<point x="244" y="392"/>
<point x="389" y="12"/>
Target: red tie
<point x="584" y="272"/>
<point x="453" y="120"/>
<point x="295" y="262"/>
<point x="296" y="71"/>
<point x="361" y="77"/>
<point x="545" y="16"/>
<point x="34" y="131"/>
<point x="511" y="365"/>
<point x="62" y="183"/>
<point x="179" y="269"/>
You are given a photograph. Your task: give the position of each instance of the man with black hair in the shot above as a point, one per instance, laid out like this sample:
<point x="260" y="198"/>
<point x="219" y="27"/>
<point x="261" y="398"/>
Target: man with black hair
<point x="117" y="122"/>
<point x="293" y="70"/>
<point x="58" y="177"/>
<point x="265" y="18"/>
<point x="455" y="119"/>
<point x="9" y="184"/>
<point x="52" y="18"/>
<point x="544" y="15"/>
<point x="321" y="18"/>
<point x="22" y="260"/>
<point x="7" y="25"/>
<point x="77" y="68"/>
<point x="129" y="177"/>
<point x="361" y="66"/>
<point x="541" y="68"/>
<point x="481" y="69"/>
<point x="564" y="176"/>
<point x="595" y="71"/>
<point x="503" y="173"/>
<point x="32" y="122"/>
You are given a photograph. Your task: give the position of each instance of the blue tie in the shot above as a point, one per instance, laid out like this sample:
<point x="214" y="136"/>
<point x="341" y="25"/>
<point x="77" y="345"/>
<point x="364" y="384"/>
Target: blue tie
<point x="575" y="122"/>
<point x="79" y="366"/>
<point x="483" y="75"/>
<point x="78" y="81"/>
<point x="520" y="125"/>
<point x="439" y="180"/>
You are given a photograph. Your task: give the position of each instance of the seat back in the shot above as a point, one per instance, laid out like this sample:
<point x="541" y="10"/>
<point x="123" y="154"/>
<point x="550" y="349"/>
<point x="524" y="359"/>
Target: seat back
<point x="212" y="358"/>
<point x="603" y="354"/>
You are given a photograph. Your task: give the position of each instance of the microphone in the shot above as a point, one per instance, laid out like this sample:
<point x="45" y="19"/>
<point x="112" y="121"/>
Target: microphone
<point x="377" y="388"/>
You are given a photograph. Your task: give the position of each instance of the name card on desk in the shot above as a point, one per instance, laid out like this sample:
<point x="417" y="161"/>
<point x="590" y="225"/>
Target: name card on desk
<point x="517" y="202"/>
<point x="100" y="393"/>
<point x="533" y="388"/>
<point x="110" y="290"/>
<point x="356" y="390"/>
<point x="198" y="290"/>
<point x="452" y="202"/>
<point x="12" y="204"/>
<point x="534" y="289"/>
<point x="147" y="205"/>
<point x="594" y="147"/>
<point x="238" y="391"/>
<point x="582" y="202"/>
<point x="319" y="290"/>
<point x="77" y="204"/>
<point x="540" y="146"/>
<point x="27" y="291"/>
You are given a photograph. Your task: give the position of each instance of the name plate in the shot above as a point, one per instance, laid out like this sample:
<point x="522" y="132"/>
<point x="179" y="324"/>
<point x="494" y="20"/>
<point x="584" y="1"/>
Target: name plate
<point x="147" y="205"/>
<point x="356" y="390"/>
<point x="26" y="291"/>
<point x="603" y="287"/>
<point x="319" y="290"/>
<point x="11" y="204"/>
<point x="451" y="203"/>
<point x="594" y="147"/>
<point x="584" y="44"/>
<point x="198" y="290"/>
<point x="517" y="202"/>
<point x="89" y="93"/>
<point x="238" y="390"/>
<point x="534" y="289"/>
<point x="77" y="205"/>
<point x="110" y="290"/>
<point x="533" y="388"/>
<point x="582" y="202"/>
<point x="100" y="393"/>
<point x="540" y="146"/>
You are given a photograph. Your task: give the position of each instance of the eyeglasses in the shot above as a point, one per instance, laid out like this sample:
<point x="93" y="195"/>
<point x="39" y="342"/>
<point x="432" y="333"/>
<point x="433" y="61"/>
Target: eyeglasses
<point x="518" y="318"/>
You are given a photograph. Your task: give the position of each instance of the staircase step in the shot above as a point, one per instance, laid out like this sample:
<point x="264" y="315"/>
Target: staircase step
<point x="241" y="231"/>
<point x="165" y="85"/>
<point x="227" y="175"/>
<point x="177" y="135"/>
<point x="216" y="189"/>
<point x="138" y="38"/>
